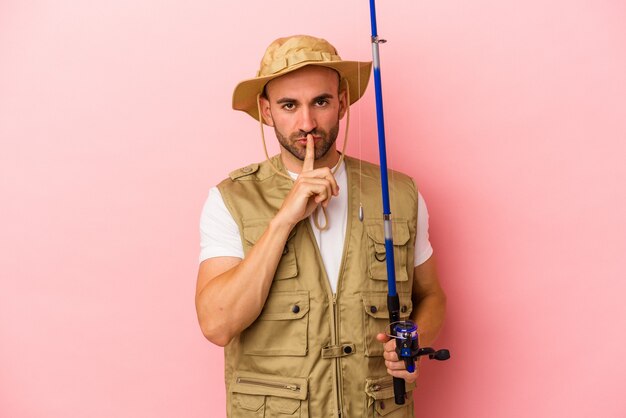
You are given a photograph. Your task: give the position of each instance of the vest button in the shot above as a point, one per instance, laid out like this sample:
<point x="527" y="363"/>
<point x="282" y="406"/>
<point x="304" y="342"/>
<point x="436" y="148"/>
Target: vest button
<point x="347" y="349"/>
<point x="373" y="309"/>
<point x="382" y="405"/>
<point x="403" y="309"/>
<point x="295" y="309"/>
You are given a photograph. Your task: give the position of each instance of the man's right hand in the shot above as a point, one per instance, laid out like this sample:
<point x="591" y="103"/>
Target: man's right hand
<point x="312" y="188"/>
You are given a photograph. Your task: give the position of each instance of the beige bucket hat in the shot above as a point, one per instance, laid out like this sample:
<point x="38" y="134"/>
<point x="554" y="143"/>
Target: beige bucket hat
<point x="288" y="54"/>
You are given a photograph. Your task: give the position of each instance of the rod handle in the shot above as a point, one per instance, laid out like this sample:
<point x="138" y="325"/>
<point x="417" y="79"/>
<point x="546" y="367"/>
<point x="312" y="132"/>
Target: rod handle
<point x="399" y="390"/>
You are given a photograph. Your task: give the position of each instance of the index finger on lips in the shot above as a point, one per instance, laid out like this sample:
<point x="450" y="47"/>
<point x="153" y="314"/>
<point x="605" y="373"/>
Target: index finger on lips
<point x="309" y="157"/>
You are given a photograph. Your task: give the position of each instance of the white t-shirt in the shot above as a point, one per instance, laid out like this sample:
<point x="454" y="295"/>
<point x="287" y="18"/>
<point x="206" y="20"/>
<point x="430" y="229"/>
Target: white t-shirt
<point x="219" y="233"/>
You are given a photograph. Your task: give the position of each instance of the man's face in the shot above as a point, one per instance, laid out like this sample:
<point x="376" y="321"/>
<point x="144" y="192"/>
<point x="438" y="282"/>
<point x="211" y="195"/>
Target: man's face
<point x="305" y="101"/>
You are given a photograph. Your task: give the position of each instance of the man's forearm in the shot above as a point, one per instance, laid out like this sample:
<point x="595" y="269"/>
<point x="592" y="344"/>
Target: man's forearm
<point x="228" y="303"/>
<point x="429" y="316"/>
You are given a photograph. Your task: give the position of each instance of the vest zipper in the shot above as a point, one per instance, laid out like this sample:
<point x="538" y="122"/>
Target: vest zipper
<point x="337" y="360"/>
<point x="332" y="297"/>
<point x="351" y="202"/>
<point x="268" y="384"/>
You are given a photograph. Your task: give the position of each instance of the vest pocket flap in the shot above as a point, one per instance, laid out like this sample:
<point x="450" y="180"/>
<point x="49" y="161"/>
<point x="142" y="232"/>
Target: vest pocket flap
<point x="287" y="267"/>
<point x="399" y="229"/>
<point x="375" y="305"/>
<point x="285" y="305"/>
<point x="382" y="388"/>
<point x="388" y="406"/>
<point x="254" y="228"/>
<point x="377" y="253"/>
<point x="268" y="385"/>
<point x="248" y="402"/>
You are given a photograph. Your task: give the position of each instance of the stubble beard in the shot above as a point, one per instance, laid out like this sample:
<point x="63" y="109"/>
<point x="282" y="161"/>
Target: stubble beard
<point x="321" y="147"/>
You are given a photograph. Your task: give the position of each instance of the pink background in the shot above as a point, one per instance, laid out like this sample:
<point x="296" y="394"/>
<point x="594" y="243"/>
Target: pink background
<point x="115" y="120"/>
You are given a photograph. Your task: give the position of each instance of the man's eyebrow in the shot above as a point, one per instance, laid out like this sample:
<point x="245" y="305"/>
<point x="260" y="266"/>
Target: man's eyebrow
<point x="323" y="96"/>
<point x="286" y="100"/>
<point x="316" y="98"/>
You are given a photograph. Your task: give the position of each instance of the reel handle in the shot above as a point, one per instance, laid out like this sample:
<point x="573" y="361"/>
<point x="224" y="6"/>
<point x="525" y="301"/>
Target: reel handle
<point x="441" y="355"/>
<point x="393" y="305"/>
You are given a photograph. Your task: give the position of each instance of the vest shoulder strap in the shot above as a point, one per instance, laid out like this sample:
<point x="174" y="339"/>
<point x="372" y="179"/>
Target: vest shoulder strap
<point x="243" y="172"/>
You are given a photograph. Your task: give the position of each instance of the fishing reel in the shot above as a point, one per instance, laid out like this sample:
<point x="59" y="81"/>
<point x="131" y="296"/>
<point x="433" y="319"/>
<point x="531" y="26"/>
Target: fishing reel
<point x="407" y="345"/>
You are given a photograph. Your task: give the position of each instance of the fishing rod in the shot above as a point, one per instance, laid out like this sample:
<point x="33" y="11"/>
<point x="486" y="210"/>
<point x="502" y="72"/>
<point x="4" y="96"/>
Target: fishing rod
<point x="404" y="332"/>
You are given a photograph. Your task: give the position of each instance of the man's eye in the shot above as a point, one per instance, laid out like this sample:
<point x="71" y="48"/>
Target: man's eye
<point x="289" y="106"/>
<point x="321" y="102"/>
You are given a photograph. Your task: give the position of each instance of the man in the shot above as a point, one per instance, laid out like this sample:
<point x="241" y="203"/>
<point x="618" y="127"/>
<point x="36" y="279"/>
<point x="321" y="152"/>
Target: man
<point x="292" y="279"/>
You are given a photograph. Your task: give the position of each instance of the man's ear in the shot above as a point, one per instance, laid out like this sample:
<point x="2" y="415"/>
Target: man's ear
<point x="343" y="102"/>
<point x="266" y="113"/>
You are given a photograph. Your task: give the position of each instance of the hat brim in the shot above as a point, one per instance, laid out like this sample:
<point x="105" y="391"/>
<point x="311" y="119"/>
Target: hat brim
<point x="356" y="73"/>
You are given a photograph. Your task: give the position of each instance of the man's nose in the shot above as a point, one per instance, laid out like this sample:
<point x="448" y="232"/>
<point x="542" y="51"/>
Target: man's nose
<point x="307" y="120"/>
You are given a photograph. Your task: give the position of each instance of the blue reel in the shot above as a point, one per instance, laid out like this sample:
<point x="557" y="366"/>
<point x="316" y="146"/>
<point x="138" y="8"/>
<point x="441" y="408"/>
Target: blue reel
<point x="407" y="345"/>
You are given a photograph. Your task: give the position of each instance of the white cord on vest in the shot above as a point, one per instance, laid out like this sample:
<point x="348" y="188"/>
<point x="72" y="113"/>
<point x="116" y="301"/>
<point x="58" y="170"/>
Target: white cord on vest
<point x="361" y="214"/>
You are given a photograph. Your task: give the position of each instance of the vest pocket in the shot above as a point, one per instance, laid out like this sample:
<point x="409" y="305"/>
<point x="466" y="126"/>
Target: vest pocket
<point x="288" y="265"/>
<point x="248" y="405"/>
<point x="282" y="327"/>
<point x="376" y="318"/>
<point x="381" y="402"/>
<point x="261" y="395"/>
<point x="376" y="253"/>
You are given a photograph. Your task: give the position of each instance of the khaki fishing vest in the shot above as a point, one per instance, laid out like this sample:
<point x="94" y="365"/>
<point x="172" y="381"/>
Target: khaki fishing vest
<point x="311" y="353"/>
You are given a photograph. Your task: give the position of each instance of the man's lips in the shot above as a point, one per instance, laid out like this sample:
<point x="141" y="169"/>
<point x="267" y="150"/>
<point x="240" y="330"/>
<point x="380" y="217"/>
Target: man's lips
<point x="302" y="141"/>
